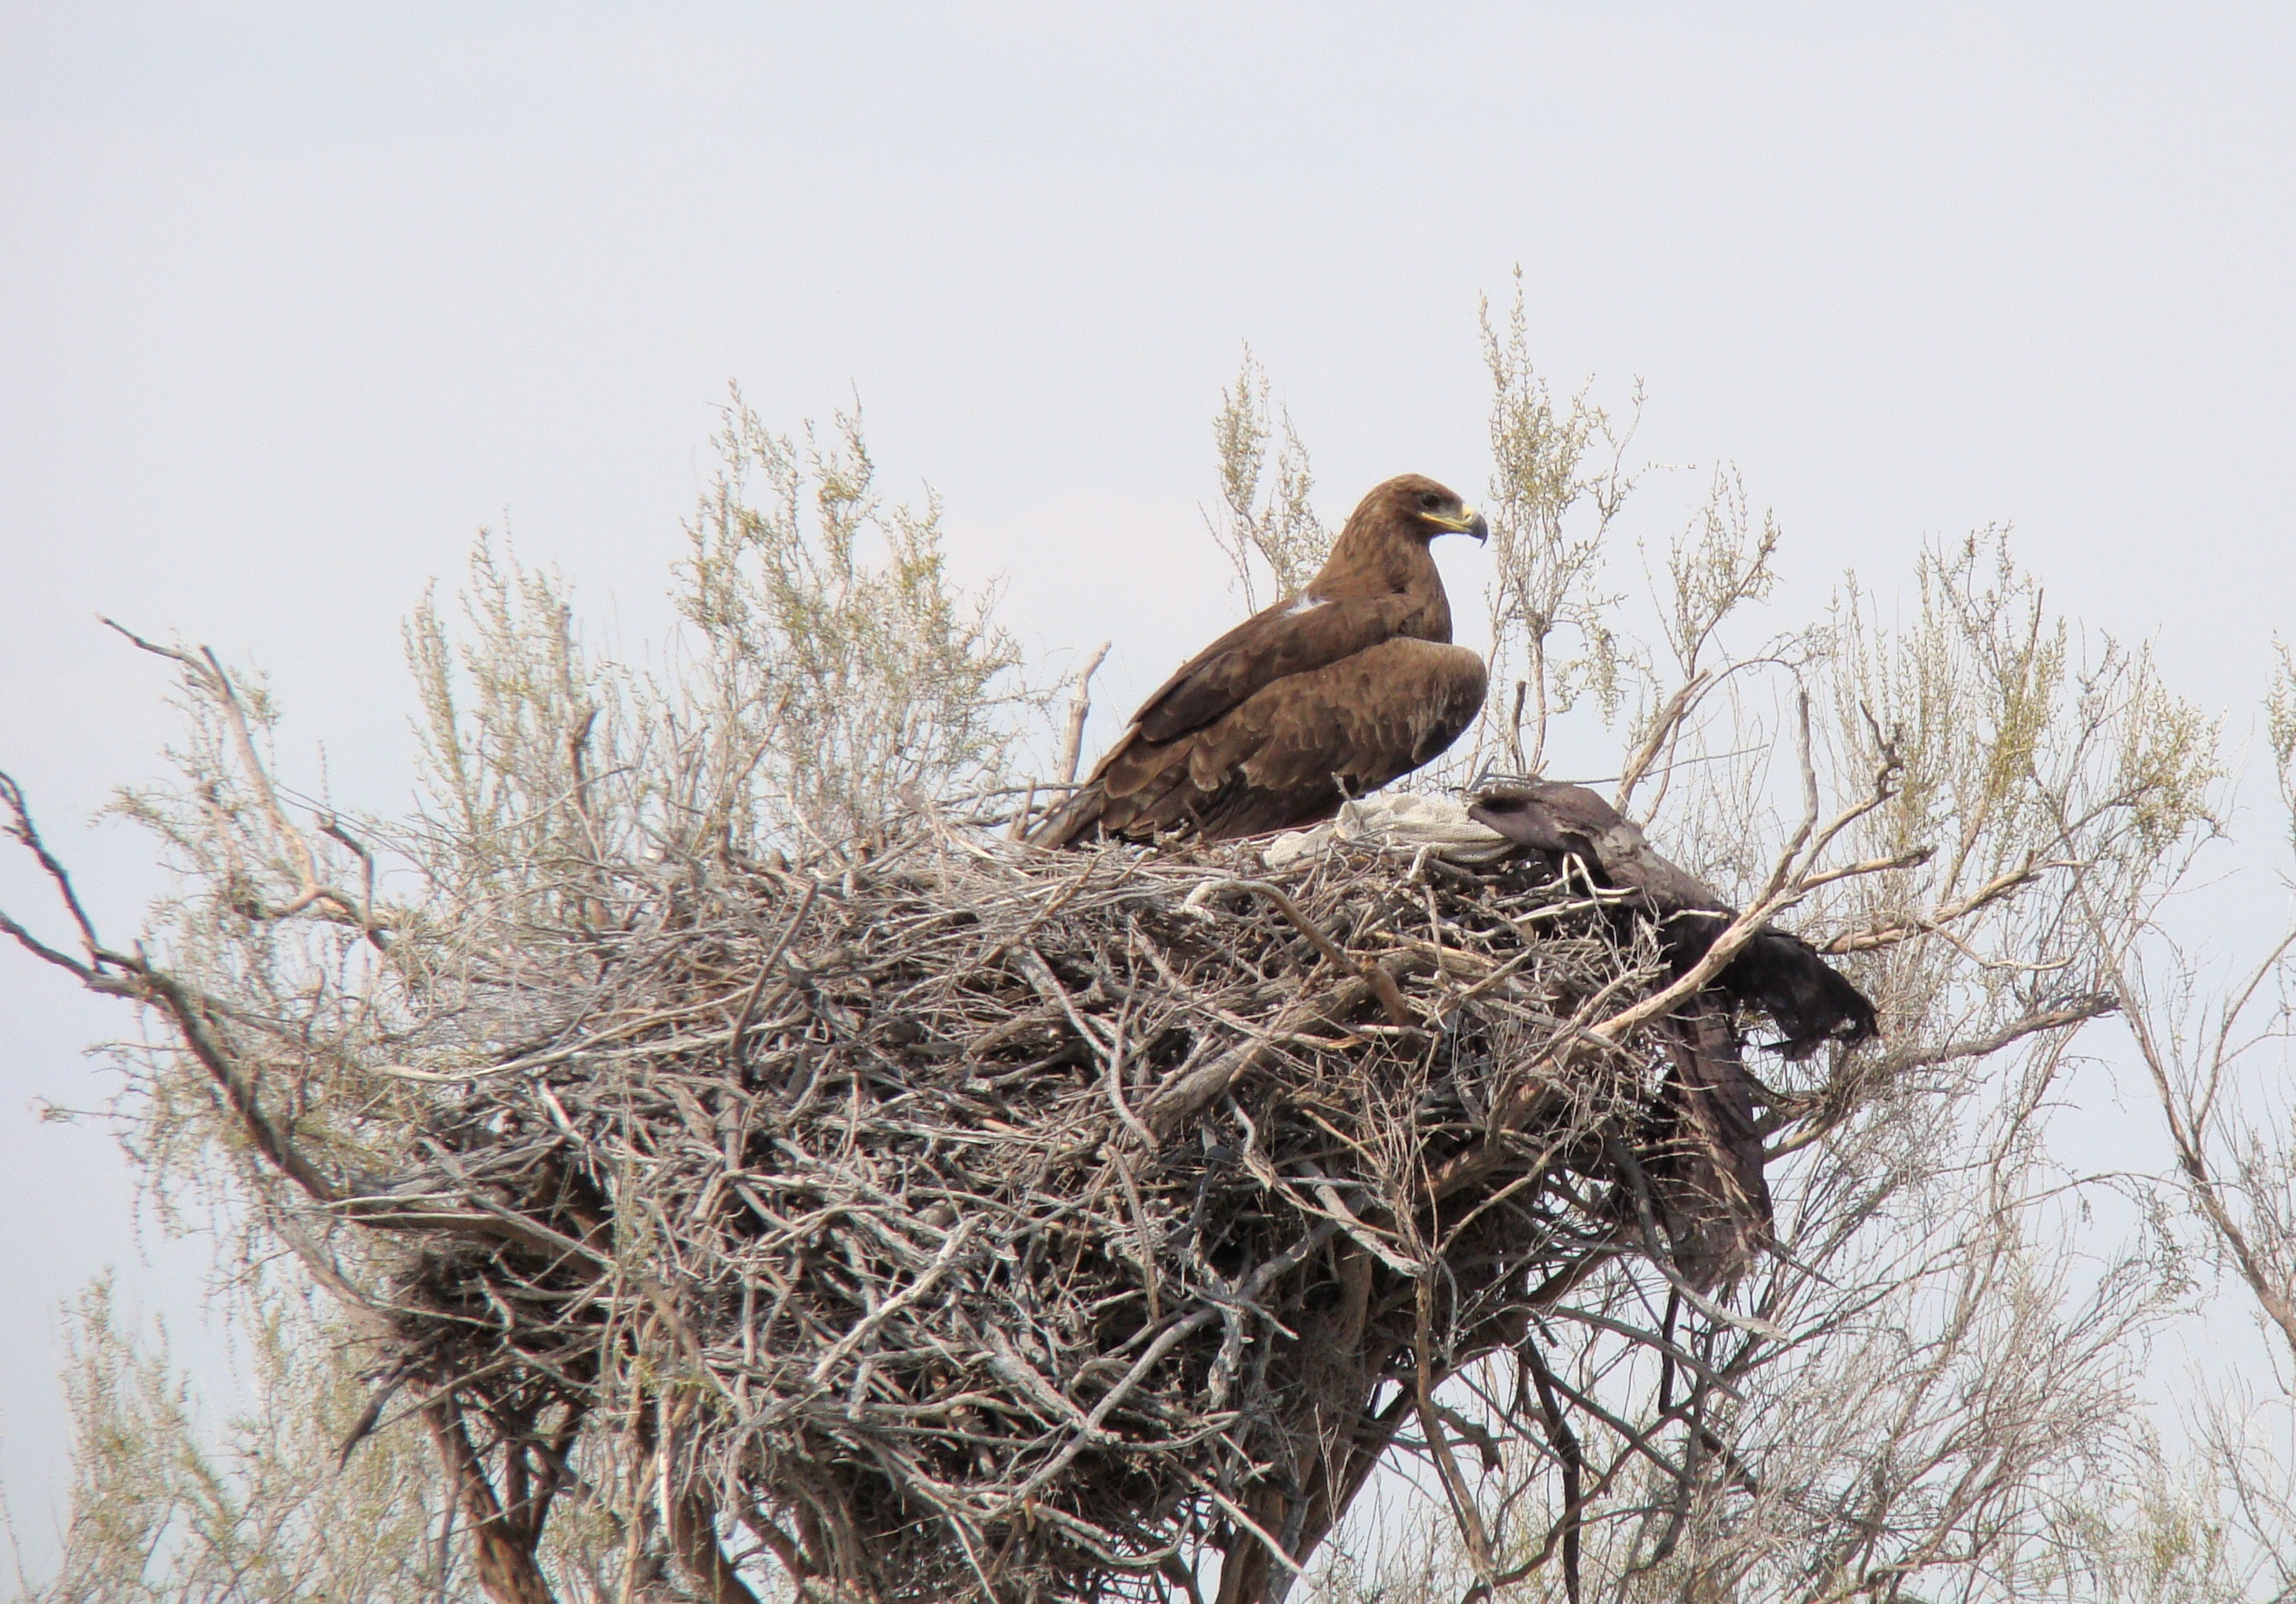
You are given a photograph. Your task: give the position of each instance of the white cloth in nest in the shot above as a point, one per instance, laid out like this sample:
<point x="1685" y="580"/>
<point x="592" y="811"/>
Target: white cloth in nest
<point x="1398" y="821"/>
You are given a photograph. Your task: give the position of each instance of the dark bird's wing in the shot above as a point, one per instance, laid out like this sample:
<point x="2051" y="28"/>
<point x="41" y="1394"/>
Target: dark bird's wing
<point x="1810" y="1000"/>
<point x="1706" y="1160"/>
<point x="1333" y="691"/>
<point x="1290" y="753"/>
<point x="1561" y="820"/>
<point x="1292" y="637"/>
<point x="1162" y="759"/>
<point x="1572" y="821"/>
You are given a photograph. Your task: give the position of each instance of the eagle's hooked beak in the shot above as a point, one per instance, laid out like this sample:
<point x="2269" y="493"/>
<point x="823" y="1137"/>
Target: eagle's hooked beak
<point x="1468" y="522"/>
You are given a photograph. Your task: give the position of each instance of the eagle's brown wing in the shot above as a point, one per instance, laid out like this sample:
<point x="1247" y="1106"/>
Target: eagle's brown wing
<point x="1560" y="819"/>
<point x="1706" y="1155"/>
<point x="1290" y="752"/>
<point x="1810" y="1000"/>
<point x="1705" y="1160"/>
<point x="1292" y="637"/>
<point x="1570" y="820"/>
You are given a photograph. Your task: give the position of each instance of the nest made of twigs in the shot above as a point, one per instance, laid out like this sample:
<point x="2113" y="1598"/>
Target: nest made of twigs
<point x="965" y="1220"/>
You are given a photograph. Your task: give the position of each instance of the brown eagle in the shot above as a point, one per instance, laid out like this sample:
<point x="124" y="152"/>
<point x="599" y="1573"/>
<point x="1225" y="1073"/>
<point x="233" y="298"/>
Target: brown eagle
<point x="1323" y="696"/>
<point x="1707" y="1163"/>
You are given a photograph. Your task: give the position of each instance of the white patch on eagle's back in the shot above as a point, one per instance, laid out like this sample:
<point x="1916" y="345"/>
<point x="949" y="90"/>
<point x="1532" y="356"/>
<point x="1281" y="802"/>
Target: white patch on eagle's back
<point x="1303" y="602"/>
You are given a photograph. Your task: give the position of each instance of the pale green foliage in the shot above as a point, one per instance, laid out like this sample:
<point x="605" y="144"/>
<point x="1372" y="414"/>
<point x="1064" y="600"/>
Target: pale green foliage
<point x="836" y="647"/>
<point x="829" y="671"/>
<point x="1723" y="563"/>
<point x="2246" y="1447"/>
<point x="508" y="719"/>
<point x="1560" y="628"/>
<point x="1269" y="530"/>
<point x="265" y="1506"/>
<point x="234" y="868"/>
<point x="2163" y="1540"/>
<point x="834" y="673"/>
<point x="1717" y="568"/>
<point x="2280" y="729"/>
<point x="257" y="1511"/>
<point x="2016" y="761"/>
<point x="2211" y="1036"/>
<point x="1558" y="481"/>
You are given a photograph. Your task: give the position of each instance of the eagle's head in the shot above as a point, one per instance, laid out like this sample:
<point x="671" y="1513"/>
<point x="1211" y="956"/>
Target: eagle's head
<point x="1414" y="504"/>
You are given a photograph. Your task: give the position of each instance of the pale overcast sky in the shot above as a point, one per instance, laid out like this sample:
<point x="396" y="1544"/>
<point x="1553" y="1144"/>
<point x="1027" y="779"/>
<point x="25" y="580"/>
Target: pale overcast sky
<point x="294" y="298"/>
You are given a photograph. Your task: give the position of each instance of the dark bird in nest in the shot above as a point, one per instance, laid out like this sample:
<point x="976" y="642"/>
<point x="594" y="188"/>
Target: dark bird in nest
<point x="1708" y="1168"/>
<point x="1326" y="695"/>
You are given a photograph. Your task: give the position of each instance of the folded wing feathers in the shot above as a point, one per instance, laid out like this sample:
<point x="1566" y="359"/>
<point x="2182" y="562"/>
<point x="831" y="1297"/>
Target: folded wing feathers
<point x="1291" y="753"/>
<point x="1707" y="1169"/>
<point x="1320" y="697"/>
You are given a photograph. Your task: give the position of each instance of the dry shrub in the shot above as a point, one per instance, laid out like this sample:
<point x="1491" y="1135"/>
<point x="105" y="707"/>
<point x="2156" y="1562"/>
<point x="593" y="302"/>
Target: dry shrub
<point x="728" y="1149"/>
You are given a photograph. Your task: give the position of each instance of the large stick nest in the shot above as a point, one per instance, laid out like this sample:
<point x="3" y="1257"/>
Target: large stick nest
<point x="968" y="1220"/>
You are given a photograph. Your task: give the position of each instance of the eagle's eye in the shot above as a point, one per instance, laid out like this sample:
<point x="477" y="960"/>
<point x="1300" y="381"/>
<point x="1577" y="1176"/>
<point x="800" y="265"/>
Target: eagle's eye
<point x="1429" y="500"/>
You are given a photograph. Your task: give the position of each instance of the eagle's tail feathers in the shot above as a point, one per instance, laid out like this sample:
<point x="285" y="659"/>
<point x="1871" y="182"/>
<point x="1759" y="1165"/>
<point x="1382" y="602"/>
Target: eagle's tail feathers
<point x="1073" y="820"/>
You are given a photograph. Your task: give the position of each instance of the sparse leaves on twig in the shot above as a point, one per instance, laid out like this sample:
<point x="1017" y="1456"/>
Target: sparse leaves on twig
<point x="1267" y="526"/>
